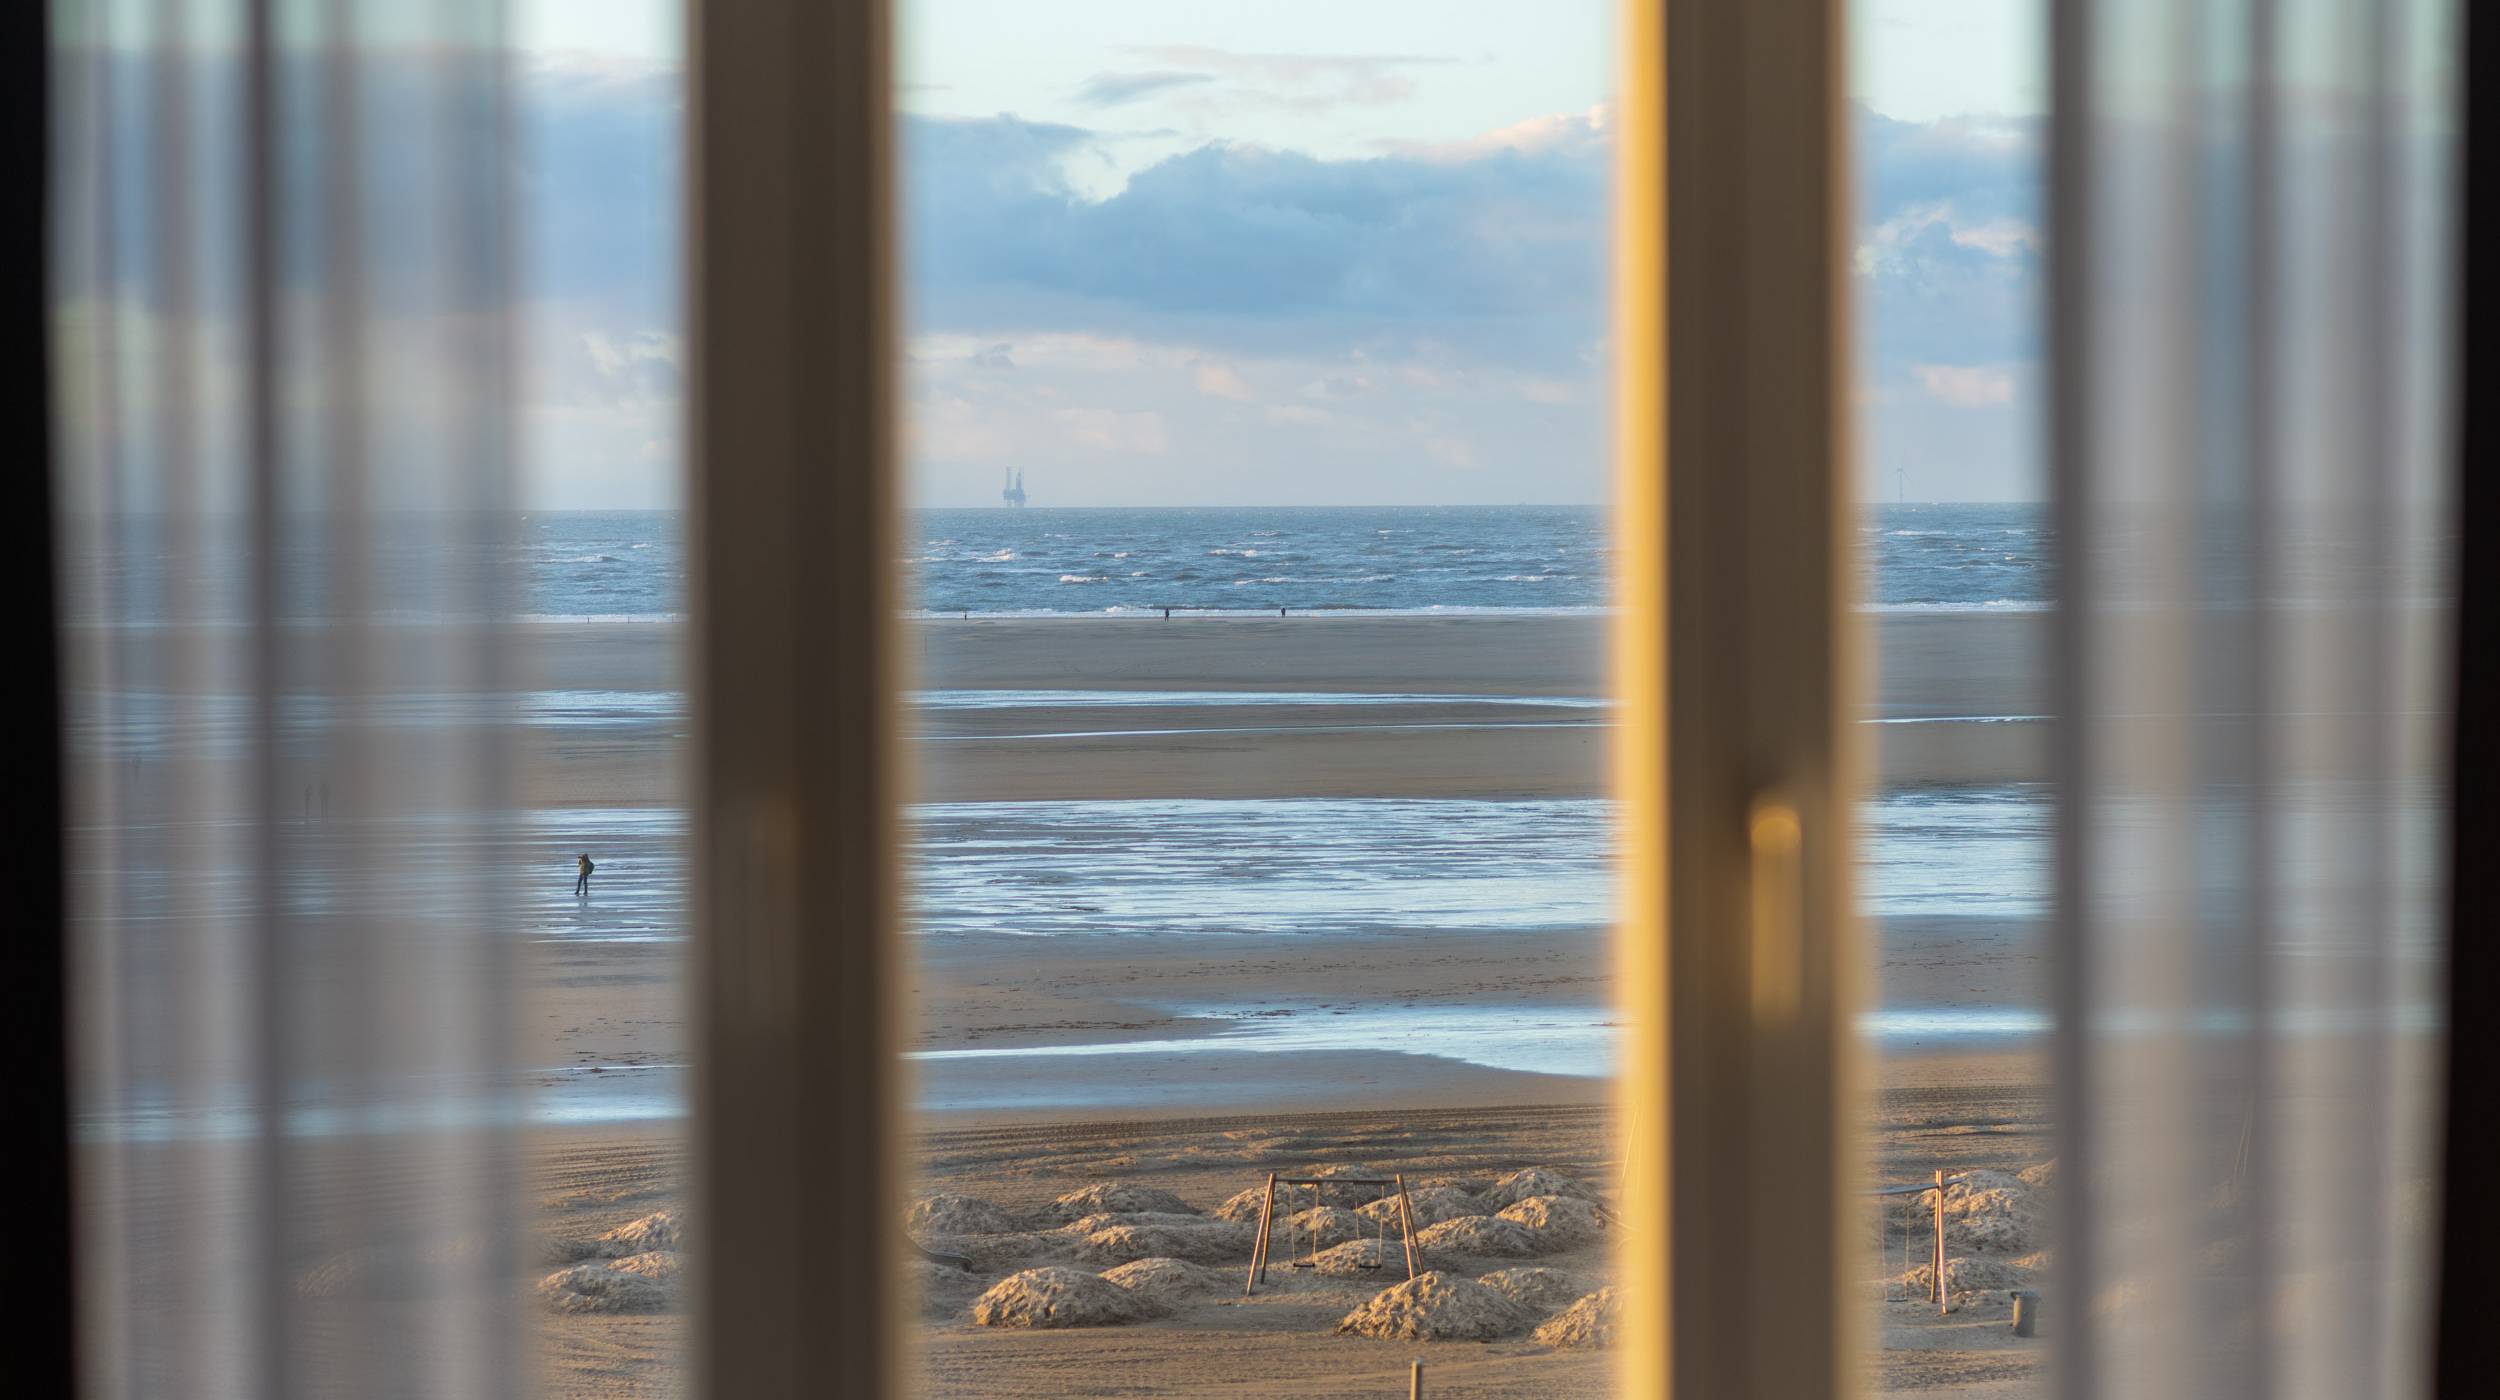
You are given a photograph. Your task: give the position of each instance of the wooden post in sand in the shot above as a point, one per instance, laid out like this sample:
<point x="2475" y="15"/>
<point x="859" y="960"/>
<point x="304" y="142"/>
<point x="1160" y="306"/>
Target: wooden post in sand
<point x="1415" y="1382"/>
<point x="1935" y="1267"/>
<point x="1406" y="1233"/>
<point x="1258" y="1251"/>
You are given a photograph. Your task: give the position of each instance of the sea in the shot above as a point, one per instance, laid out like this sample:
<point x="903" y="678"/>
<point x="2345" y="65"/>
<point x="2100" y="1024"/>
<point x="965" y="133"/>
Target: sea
<point x="1139" y="869"/>
<point x="1394" y="559"/>
<point x="631" y="565"/>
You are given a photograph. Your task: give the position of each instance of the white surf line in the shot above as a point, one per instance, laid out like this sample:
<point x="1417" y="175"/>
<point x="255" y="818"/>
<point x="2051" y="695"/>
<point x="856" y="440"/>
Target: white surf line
<point x="1391" y="727"/>
<point x="1013" y="699"/>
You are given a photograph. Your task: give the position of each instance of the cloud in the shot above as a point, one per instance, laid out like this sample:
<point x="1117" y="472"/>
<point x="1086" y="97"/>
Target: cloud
<point x="1243" y="249"/>
<point x="1114" y="89"/>
<point x="1104" y="430"/>
<point x="1308" y="82"/>
<point x="1899" y="237"/>
<point x="1948" y="271"/>
<point x="1300" y="415"/>
<point x="1220" y="381"/>
<point x="2002" y="237"/>
<point x="1966" y="386"/>
<point x="1425" y="316"/>
<point x="1337" y="386"/>
<point x="1948" y="256"/>
<point x="641" y="362"/>
<point x="1579" y="132"/>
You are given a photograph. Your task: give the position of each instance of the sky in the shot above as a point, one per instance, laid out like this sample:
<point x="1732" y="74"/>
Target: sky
<point x="1284" y="252"/>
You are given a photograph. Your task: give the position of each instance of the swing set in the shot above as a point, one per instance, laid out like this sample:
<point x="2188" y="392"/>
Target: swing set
<point x="1299" y="1256"/>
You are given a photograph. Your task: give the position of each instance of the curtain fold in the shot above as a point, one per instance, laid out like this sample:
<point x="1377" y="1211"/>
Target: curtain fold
<point x="2251" y="464"/>
<point x="281" y="254"/>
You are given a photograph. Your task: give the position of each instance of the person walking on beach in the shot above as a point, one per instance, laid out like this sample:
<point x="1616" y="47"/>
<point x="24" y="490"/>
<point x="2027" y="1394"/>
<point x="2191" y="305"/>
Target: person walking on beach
<point x="581" y="881"/>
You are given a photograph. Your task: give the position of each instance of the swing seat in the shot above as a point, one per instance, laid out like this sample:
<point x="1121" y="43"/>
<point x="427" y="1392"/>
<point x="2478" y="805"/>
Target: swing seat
<point x="1302" y="1247"/>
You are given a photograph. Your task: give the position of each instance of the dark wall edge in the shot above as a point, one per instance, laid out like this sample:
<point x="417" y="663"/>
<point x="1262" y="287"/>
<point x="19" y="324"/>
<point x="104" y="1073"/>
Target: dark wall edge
<point x="35" y="1170"/>
<point x="2469" y="1293"/>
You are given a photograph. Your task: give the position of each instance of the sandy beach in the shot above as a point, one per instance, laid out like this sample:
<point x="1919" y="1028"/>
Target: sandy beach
<point x="1987" y="1112"/>
<point x="1218" y="896"/>
<point x="1047" y="1064"/>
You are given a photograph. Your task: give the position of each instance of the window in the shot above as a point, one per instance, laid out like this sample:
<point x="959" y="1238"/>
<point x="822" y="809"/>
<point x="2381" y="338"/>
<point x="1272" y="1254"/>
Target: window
<point x="358" y="1106"/>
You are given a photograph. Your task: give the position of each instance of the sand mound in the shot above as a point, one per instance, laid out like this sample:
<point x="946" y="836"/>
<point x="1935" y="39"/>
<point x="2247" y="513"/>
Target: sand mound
<point x="942" y="1289"/>
<point x="2037" y="1177"/>
<point x="1991" y="1211"/>
<point x="1194" y="1238"/>
<point x="1170" y="1280"/>
<point x="1471" y="1185"/>
<point x="1436" y="1307"/>
<point x="1431" y="1204"/>
<point x="656" y="1231"/>
<point x="1967" y="1274"/>
<point x="1244" y="1207"/>
<point x="1560" y="1221"/>
<point x="993" y="1253"/>
<point x="636" y="1283"/>
<point x="1533" y="1181"/>
<point x="1055" y="1297"/>
<point x="949" y="1214"/>
<point x="1107" y="1219"/>
<point x="1356" y="1257"/>
<point x="1590" y="1322"/>
<point x="1484" y="1236"/>
<point x="1331" y="1225"/>
<point x="1117" y="1198"/>
<point x="1540" y="1291"/>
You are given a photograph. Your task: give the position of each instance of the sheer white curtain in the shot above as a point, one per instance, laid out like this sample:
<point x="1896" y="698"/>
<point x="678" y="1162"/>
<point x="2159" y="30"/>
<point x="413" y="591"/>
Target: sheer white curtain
<point x="281" y="251"/>
<point x="2251" y="210"/>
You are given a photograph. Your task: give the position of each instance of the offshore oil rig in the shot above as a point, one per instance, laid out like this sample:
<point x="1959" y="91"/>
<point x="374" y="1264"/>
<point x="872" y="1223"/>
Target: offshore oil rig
<point x="1013" y="494"/>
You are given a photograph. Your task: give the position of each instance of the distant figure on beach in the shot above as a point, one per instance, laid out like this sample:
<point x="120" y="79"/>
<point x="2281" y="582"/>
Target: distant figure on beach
<point x="581" y="881"/>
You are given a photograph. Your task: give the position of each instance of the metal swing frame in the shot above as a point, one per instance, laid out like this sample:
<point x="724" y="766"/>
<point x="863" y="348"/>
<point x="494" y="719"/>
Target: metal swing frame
<point x="1395" y="1185"/>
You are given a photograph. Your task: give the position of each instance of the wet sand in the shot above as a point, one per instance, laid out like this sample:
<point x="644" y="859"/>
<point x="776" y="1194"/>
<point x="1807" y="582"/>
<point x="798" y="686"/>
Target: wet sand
<point x="1194" y="715"/>
<point x="1471" y="725"/>
<point x="1957" y="702"/>
<point x="1482" y="712"/>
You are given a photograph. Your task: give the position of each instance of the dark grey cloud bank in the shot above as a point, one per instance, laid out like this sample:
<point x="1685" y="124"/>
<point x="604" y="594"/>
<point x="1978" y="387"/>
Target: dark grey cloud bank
<point x="1500" y="254"/>
<point x="1243" y="248"/>
<point x="1485" y="254"/>
<point x="1497" y="253"/>
<point x="1949" y="254"/>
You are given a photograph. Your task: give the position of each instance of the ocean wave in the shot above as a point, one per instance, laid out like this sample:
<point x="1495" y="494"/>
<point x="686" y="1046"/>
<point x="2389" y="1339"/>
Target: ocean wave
<point x="585" y="559"/>
<point x="1179" y="610"/>
<point x="1085" y="578"/>
<point x="1322" y="578"/>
